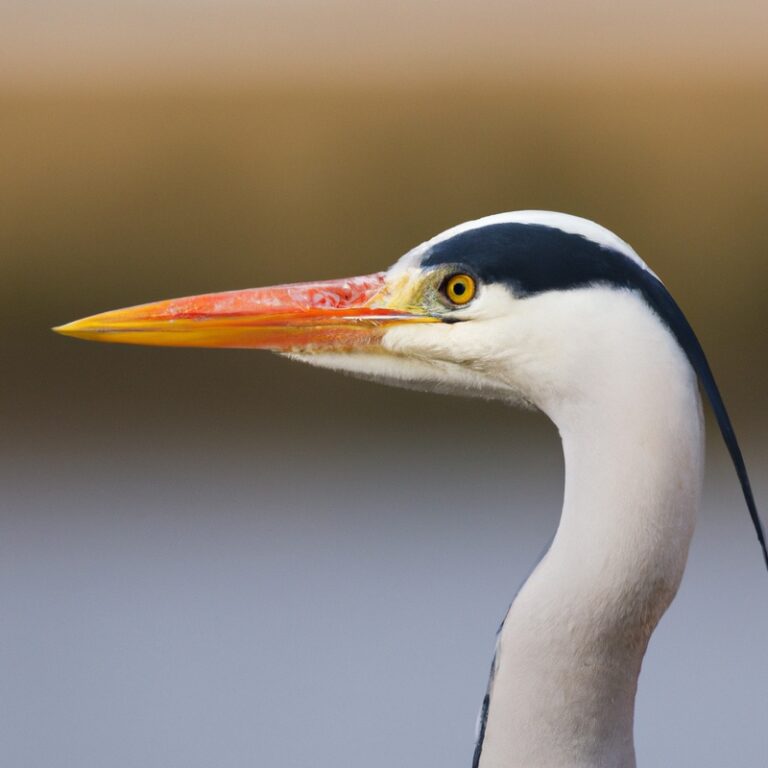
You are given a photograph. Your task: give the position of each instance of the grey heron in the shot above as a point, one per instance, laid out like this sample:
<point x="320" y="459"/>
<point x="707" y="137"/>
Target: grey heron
<point x="550" y="311"/>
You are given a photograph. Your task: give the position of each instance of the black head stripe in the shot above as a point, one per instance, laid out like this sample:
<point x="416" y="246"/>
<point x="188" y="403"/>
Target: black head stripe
<point x="534" y="258"/>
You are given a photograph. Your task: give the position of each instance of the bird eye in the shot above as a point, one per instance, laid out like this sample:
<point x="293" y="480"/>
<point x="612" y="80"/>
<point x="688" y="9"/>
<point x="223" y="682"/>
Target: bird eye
<point x="460" y="289"/>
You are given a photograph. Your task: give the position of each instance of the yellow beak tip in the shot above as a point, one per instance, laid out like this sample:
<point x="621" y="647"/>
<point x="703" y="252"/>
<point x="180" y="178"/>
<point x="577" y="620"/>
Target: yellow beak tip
<point x="66" y="330"/>
<point x="76" y="329"/>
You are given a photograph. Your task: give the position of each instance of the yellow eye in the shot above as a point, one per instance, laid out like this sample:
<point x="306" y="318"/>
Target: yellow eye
<point x="460" y="289"/>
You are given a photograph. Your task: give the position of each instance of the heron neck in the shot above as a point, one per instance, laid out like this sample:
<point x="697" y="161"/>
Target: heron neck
<point x="570" y="651"/>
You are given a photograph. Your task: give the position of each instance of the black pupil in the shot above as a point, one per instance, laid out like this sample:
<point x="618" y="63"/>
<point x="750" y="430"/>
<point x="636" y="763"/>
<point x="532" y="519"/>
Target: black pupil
<point x="459" y="288"/>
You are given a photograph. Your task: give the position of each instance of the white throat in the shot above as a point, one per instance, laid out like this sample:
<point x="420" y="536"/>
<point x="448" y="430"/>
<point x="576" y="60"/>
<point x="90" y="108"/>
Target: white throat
<point x="570" y="651"/>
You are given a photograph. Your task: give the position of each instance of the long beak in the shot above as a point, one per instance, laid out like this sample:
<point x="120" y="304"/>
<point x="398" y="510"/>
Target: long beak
<point x="332" y="314"/>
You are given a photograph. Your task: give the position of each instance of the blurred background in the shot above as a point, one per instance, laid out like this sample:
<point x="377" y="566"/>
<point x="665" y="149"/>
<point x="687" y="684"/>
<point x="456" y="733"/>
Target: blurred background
<point x="223" y="558"/>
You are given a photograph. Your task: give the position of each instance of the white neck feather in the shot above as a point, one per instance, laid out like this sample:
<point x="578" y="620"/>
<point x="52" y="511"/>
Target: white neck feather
<point x="605" y="369"/>
<point x="571" y="648"/>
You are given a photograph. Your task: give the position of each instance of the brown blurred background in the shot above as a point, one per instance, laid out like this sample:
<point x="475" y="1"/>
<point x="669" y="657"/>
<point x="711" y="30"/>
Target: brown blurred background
<point x="223" y="558"/>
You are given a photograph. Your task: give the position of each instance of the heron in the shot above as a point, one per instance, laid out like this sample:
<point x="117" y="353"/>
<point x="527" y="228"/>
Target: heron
<point x="554" y="312"/>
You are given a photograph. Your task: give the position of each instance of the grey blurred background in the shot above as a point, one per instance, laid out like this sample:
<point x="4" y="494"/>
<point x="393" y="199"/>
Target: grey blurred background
<point x="223" y="558"/>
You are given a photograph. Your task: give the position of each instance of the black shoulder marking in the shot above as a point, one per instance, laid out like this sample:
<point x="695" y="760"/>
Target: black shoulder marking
<point x="533" y="258"/>
<point x="486" y="706"/>
<point x="482" y="723"/>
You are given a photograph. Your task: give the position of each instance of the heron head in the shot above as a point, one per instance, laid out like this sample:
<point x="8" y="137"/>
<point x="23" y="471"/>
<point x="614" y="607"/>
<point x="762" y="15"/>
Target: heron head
<point x="489" y="308"/>
<point x="544" y="308"/>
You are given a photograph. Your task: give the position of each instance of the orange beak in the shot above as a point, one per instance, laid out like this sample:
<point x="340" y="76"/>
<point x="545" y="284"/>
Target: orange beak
<point x="328" y="315"/>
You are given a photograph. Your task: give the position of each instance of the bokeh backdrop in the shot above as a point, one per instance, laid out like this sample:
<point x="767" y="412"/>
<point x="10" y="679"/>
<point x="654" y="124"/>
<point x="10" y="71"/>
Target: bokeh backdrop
<point x="223" y="558"/>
